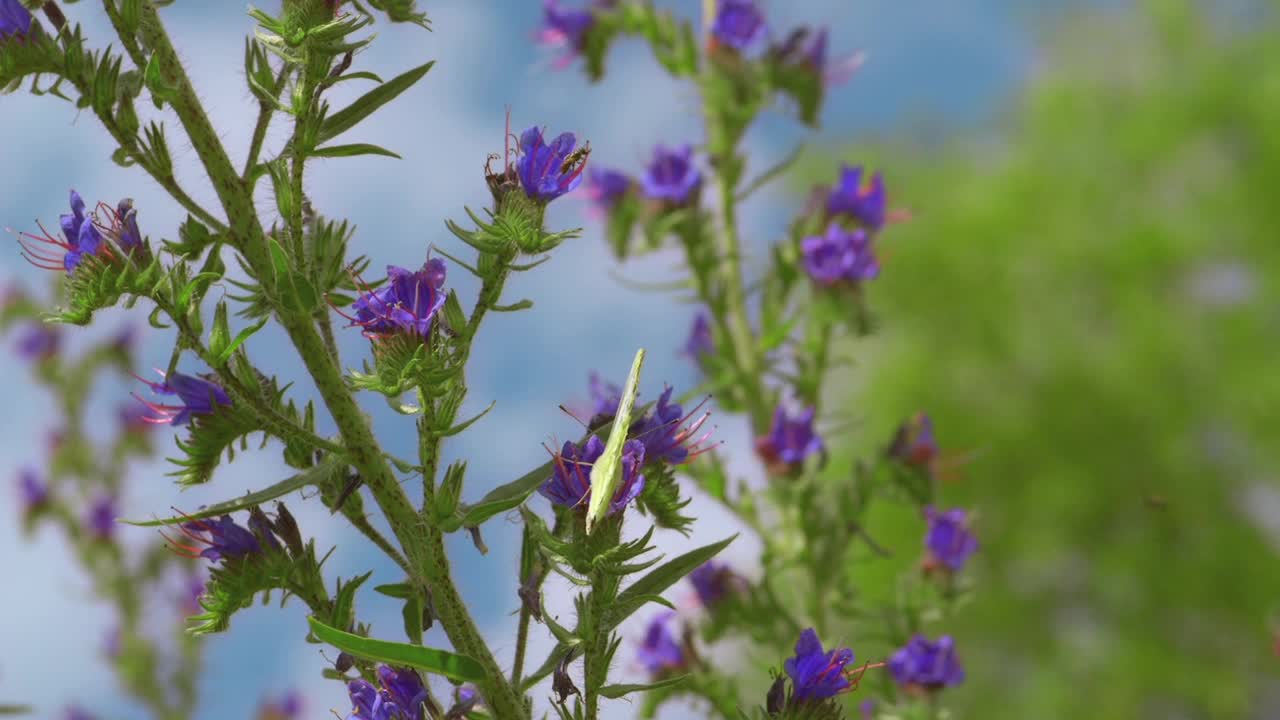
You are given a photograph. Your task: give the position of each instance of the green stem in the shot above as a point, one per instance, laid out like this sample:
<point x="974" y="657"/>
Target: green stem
<point x="265" y="111"/>
<point x="423" y="546"/>
<point x="737" y="322"/>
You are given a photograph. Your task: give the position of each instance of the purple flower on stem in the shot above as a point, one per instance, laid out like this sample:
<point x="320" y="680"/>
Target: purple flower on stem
<point x="864" y="202"/>
<point x="465" y="699"/>
<point x="125" y="226"/>
<point x="739" y="24"/>
<point x="672" y="175"/>
<point x="564" y="29"/>
<point x="549" y="171"/>
<point x="406" y="304"/>
<point x="570" y="481"/>
<point x="80" y="237"/>
<point x="948" y="539"/>
<point x="40" y="341"/>
<point x="927" y="664"/>
<point x="790" y="440"/>
<point x="817" y="674"/>
<point x="198" y="396"/>
<point x="101" y="518"/>
<point x="665" y="435"/>
<point x="700" y="341"/>
<point x="840" y="256"/>
<point x="399" y="695"/>
<point x="605" y="187"/>
<point x="809" y="49"/>
<point x="14" y="19"/>
<point x="33" y="492"/>
<point x="660" y="652"/>
<point x="605" y="398"/>
<point x="222" y="539"/>
<point x="714" y="582"/>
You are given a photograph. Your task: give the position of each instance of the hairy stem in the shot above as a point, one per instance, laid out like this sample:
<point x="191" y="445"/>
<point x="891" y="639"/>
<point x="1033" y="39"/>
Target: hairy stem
<point x="265" y="111"/>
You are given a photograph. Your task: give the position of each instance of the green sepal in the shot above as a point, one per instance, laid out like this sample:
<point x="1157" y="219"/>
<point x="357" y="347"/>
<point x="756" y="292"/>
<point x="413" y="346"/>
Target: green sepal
<point x="661" y="499"/>
<point x="100" y="282"/>
<point x="459" y="668"/>
<point x="450" y="490"/>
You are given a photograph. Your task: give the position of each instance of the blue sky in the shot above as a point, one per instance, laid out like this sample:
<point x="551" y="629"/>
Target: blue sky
<point x="943" y="66"/>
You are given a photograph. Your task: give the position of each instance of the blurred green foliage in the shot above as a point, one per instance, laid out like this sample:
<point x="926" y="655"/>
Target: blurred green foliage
<point x="1089" y="307"/>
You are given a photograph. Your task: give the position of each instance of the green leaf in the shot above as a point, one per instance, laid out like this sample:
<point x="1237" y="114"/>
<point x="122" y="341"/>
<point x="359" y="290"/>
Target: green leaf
<point x="344" y="604"/>
<point x="312" y="476"/>
<point x="661" y="578"/>
<point x="351" y="151"/>
<point x="366" y="104"/>
<point x="606" y="472"/>
<point x="506" y="497"/>
<point x="400" y="591"/>
<point x="613" y="692"/>
<point x="279" y="258"/>
<point x="15" y="709"/>
<point x="456" y="667"/>
<point x="239" y="340"/>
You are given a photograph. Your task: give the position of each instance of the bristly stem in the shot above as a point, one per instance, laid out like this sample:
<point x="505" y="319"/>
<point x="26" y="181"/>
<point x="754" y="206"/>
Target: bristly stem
<point x="423" y="546"/>
<point x="265" y="111"/>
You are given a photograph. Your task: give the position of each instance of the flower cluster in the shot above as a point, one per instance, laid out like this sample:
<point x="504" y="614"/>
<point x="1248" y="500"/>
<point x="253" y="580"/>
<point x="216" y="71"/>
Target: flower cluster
<point x="925" y="664"/>
<point x="790" y="441"/>
<point x="570" y="481"/>
<point x="83" y="236"/>
<point x="399" y="695"/>
<point x="840" y="256"/>
<point x="817" y="674"/>
<point x="405" y="305"/>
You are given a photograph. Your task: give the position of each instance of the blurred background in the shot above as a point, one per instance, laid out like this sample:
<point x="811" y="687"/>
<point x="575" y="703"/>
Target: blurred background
<point x="1085" y="301"/>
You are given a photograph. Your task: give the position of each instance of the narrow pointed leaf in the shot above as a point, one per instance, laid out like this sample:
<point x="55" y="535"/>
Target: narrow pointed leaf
<point x="352" y="150"/>
<point x="613" y="692"/>
<point x="440" y="662"/>
<point x="312" y="476"/>
<point x="366" y="104"/>
<point x="658" y="580"/>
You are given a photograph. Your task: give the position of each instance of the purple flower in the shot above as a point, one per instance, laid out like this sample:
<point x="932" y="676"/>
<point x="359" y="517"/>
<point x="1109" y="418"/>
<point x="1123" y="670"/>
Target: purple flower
<point x="222" y="538"/>
<point x="80" y="237"/>
<point x="549" y="171"/>
<point x="817" y="674"/>
<point x="75" y="712"/>
<point x="605" y="187"/>
<point x="790" y="440"/>
<point x="927" y="664"/>
<point x="739" y="24"/>
<point x="405" y="304"/>
<point x="101" y="518"/>
<point x="948" y="539"/>
<point x="14" y="19"/>
<point x="39" y="341"/>
<point x="809" y="48"/>
<point x="700" y="341"/>
<point x="566" y="29"/>
<point x="672" y="175"/>
<point x="125" y="228"/>
<point x="840" y="256"/>
<point x="714" y="582"/>
<point x="465" y="699"/>
<point x="659" y="651"/>
<point x="33" y="492"/>
<point x="570" y="481"/>
<point x="662" y="433"/>
<point x="398" y="696"/>
<point x="605" y="398"/>
<point x="914" y="442"/>
<point x="864" y="202"/>
<point x="198" y="396"/>
<point x="287" y="707"/>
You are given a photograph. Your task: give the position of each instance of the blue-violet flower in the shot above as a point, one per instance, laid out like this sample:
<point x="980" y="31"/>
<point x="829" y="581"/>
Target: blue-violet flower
<point x="948" y="539"/>
<point x="840" y="256"/>
<point x="548" y="171"/>
<point x="570" y="482"/>
<point x="739" y="24"/>
<point x="864" y="202"/>
<point x="927" y="664"/>
<point x="198" y="397"/>
<point x="14" y="19"/>
<point x="672" y="176"/>
<point x="817" y="674"/>
<point x="660" y="652"/>
<point x="790" y="440"/>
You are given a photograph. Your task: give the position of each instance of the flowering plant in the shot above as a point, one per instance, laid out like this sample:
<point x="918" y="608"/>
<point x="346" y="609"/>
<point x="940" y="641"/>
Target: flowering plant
<point x="765" y="348"/>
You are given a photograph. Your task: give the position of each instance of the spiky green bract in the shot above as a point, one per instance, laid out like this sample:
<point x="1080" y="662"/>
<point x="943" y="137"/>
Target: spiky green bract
<point x="606" y="472"/>
<point x="100" y="282"/>
<point x="235" y="581"/>
<point x="229" y="427"/>
<point x="661" y="499"/>
<point x="516" y="226"/>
